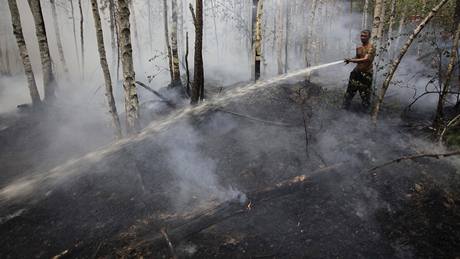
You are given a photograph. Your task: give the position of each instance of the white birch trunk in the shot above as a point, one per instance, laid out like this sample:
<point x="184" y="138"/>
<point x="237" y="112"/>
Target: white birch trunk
<point x="131" y="98"/>
<point x="395" y="63"/>
<point x="105" y="70"/>
<point x="17" y="29"/>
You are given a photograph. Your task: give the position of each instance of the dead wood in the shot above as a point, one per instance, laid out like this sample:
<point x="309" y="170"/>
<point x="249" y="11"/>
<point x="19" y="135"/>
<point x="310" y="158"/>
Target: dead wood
<point x="414" y="157"/>
<point x="451" y="123"/>
<point x="146" y="87"/>
<point x="171" y="248"/>
<point x="281" y="124"/>
<point x="239" y="205"/>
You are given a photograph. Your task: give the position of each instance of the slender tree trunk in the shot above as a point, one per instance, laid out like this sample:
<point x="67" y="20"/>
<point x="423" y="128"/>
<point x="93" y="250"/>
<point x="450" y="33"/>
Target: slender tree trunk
<point x="378" y="19"/>
<point x="439" y="119"/>
<point x="310" y="42"/>
<point x="74" y="27"/>
<point x="17" y="29"/>
<point x="49" y="82"/>
<point x="390" y="27"/>
<point x="137" y="40"/>
<point x="400" y="30"/>
<point x="82" y="40"/>
<point x="174" y="49"/>
<point x="129" y="78"/>
<point x="365" y="14"/>
<point x="150" y="21"/>
<point x="2" y="65"/>
<point x="187" y="89"/>
<point x="286" y="41"/>
<point x="382" y="23"/>
<point x="105" y="69"/>
<point x="395" y="63"/>
<point x="279" y="36"/>
<point x="198" y="78"/>
<point x="113" y="35"/>
<point x="168" y="46"/>
<point x="257" y="37"/>
<point x="58" y="37"/>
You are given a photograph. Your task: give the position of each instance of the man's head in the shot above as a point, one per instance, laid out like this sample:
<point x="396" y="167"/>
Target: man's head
<point x="365" y="36"/>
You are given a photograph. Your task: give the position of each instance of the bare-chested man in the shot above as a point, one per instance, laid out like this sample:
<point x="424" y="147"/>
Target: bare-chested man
<point x="361" y="77"/>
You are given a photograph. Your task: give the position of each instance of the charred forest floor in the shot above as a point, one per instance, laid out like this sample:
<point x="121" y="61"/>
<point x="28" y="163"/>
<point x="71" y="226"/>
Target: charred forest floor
<point x="257" y="206"/>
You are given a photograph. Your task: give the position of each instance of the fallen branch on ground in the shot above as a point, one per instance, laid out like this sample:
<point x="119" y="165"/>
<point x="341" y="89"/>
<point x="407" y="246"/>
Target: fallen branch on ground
<point x="171" y="248"/>
<point x="230" y="209"/>
<point x="281" y="124"/>
<point x="414" y="157"/>
<point x="168" y="102"/>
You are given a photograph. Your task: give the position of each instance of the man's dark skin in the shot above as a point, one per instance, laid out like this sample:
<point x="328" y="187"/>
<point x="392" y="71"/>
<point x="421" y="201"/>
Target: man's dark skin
<point x="365" y="39"/>
<point x="361" y="77"/>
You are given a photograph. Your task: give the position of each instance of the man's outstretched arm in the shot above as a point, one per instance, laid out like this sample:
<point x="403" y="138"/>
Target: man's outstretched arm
<point x="358" y="60"/>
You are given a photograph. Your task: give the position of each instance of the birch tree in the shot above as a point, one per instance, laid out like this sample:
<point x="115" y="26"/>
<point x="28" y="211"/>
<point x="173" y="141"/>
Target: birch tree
<point x="49" y="82"/>
<point x="176" y="81"/>
<point x="257" y="37"/>
<point x="131" y="98"/>
<point x="105" y="69"/>
<point x="378" y="19"/>
<point x="365" y="13"/>
<point x="439" y="119"/>
<point x="58" y="37"/>
<point x="74" y="29"/>
<point x="279" y="36"/>
<point x="17" y="30"/>
<point x="168" y="45"/>
<point x="82" y="40"/>
<point x="395" y="63"/>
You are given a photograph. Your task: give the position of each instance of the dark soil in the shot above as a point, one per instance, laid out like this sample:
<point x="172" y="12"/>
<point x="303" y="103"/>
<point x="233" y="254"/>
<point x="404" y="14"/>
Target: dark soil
<point x="111" y="207"/>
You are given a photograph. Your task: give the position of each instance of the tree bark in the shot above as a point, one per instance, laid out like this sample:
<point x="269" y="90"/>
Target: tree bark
<point x="400" y="29"/>
<point x="365" y="13"/>
<point x="105" y="70"/>
<point x="378" y="19"/>
<point x="74" y="27"/>
<point x="82" y="40"/>
<point x="58" y="37"/>
<point x="382" y="23"/>
<point x="168" y="45"/>
<point x="198" y="78"/>
<point x="137" y="40"/>
<point x="390" y="26"/>
<point x="279" y="36"/>
<point x="2" y="68"/>
<point x="438" y="123"/>
<point x="113" y="35"/>
<point x="258" y="38"/>
<point x="17" y="29"/>
<point x="131" y="98"/>
<point x="49" y="82"/>
<point x="395" y="63"/>
<point x="174" y="49"/>
<point x="187" y="87"/>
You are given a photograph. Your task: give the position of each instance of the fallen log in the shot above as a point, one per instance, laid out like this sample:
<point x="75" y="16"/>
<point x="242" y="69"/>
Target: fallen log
<point x="237" y="206"/>
<point x="146" y="87"/>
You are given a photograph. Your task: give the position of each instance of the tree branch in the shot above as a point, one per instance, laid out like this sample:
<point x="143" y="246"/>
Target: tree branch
<point x="168" y="102"/>
<point x="414" y="157"/>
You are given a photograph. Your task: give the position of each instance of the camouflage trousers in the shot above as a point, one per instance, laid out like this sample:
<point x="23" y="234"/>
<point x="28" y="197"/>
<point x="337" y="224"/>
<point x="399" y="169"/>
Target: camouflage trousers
<point x="359" y="82"/>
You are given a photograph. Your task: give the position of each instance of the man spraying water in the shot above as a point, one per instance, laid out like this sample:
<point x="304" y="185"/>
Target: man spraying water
<point x="361" y="77"/>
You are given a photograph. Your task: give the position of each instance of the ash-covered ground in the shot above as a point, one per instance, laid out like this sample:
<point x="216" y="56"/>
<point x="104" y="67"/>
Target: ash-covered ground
<point x="116" y="205"/>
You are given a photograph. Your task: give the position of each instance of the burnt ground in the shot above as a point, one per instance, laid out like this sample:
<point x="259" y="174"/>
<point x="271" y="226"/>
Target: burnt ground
<point x="115" y="207"/>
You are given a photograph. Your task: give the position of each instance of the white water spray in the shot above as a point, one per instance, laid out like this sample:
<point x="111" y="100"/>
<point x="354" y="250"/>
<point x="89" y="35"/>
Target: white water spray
<point x="25" y="186"/>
